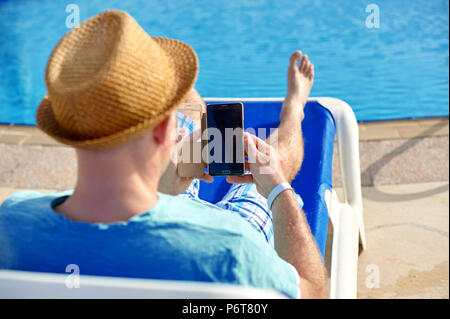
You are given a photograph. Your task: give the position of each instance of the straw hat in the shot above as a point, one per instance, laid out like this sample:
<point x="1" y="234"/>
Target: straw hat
<point x="108" y="82"/>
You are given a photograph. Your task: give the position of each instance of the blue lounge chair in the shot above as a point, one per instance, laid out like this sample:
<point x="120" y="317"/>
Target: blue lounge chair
<point x="315" y="175"/>
<point x="325" y="120"/>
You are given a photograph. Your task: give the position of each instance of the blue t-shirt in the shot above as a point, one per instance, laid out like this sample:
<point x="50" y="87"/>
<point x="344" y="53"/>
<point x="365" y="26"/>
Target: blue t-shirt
<point x="177" y="239"/>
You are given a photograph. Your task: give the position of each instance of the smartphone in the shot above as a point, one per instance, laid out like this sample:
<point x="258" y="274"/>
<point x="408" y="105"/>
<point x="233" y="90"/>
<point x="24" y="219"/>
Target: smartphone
<point x="225" y="125"/>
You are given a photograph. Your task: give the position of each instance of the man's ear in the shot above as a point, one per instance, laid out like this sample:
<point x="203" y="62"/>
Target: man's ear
<point x="164" y="131"/>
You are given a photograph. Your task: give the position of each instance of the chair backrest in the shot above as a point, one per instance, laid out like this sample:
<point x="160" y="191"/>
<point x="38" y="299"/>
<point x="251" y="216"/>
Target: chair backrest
<point x="21" y="284"/>
<point x="315" y="176"/>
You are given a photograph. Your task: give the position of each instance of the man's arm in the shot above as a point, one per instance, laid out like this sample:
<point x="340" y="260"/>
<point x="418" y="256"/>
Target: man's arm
<point x="295" y="244"/>
<point x="293" y="239"/>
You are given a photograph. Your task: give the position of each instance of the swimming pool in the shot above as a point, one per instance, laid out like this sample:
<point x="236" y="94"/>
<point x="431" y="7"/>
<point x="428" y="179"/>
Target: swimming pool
<point x="399" y="70"/>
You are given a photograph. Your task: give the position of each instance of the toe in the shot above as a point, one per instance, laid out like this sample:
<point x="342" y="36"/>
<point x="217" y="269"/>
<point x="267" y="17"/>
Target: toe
<point x="304" y="63"/>
<point x="308" y="72"/>
<point x="295" y="57"/>
<point x="311" y="73"/>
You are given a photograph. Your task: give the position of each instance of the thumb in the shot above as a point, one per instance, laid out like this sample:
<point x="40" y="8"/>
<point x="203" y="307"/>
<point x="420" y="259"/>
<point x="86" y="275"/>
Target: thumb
<point x="244" y="179"/>
<point x="207" y="178"/>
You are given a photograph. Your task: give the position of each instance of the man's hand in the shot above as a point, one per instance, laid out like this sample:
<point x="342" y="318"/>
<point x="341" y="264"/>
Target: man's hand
<point x="263" y="163"/>
<point x="170" y="183"/>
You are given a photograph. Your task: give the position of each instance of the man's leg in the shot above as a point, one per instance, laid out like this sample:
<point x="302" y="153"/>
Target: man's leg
<point x="287" y="139"/>
<point x="244" y="198"/>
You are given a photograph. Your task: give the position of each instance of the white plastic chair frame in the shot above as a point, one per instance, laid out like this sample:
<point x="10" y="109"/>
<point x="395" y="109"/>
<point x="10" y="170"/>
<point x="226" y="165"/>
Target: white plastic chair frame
<point x="348" y="238"/>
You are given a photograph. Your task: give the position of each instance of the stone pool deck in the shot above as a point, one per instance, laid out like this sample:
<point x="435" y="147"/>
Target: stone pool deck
<point x="404" y="170"/>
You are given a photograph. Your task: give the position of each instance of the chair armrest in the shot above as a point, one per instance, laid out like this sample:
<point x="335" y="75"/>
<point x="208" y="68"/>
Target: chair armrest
<point x="348" y="149"/>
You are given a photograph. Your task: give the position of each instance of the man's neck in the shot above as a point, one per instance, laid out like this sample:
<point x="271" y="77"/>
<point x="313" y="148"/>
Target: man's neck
<point x="108" y="194"/>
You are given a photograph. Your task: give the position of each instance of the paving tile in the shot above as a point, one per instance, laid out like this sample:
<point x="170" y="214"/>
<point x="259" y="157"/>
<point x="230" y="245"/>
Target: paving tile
<point x="391" y="124"/>
<point x="378" y="134"/>
<point x="422" y="131"/>
<point x="12" y="138"/>
<point x="22" y="129"/>
<point x="435" y="121"/>
<point x="41" y="140"/>
<point x="403" y="129"/>
<point x="362" y="127"/>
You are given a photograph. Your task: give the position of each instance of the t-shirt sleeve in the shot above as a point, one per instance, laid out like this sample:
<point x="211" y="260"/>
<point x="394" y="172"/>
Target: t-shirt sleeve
<point x="260" y="266"/>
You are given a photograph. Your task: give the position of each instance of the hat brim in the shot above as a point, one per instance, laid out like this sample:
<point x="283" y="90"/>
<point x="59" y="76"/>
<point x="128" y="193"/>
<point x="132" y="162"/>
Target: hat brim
<point x="185" y="64"/>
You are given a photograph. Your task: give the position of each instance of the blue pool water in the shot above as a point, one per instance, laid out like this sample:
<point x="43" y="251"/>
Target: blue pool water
<point x="399" y="70"/>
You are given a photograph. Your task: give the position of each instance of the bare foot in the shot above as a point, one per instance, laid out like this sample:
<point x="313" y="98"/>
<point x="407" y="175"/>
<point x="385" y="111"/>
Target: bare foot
<point x="300" y="81"/>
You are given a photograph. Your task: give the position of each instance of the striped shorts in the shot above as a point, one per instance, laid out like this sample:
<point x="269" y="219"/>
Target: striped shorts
<point x="243" y="199"/>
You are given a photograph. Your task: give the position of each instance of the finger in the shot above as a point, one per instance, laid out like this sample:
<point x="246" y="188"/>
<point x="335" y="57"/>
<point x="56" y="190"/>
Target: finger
<point x="253" y="154"/>
<point x="250" y="150"/>
<point x="245" y="179"/>
<point x="264" y="159"/>
<point x="207" y="178"/>
<point x="261" y="146"/>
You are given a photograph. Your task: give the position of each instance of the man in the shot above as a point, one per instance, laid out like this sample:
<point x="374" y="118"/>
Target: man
<point x="112" y="94"/>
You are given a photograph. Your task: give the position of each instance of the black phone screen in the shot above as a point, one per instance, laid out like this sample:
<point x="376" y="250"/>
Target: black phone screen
<point x="225" y="142"/>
